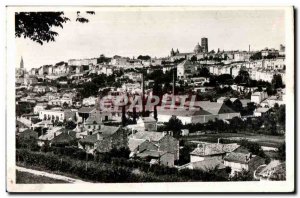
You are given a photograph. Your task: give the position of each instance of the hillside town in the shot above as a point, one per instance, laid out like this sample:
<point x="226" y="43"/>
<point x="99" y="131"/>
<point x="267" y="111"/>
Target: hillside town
<point x="202" y="115"/>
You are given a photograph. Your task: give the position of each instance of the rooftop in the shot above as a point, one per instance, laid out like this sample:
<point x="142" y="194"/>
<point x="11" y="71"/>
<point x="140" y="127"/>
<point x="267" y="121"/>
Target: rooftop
<point x="214" y="149"/>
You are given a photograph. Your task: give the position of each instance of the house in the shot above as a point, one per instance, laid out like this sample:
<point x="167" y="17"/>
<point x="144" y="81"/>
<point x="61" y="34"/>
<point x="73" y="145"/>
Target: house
<point x="205" y="165"/>
<point x="157" y="157"/>
<point x="185" y="69"/>
<point x="275" y="170"/>
<point x="85" y="112"/>
<point x="90" y="101"/>
<point x="242" y="161"/>
<point x="93" y="122"/>
<point x="139" y="145"/>
<point x="66" y="138"/>
<point x="207" y="151"/>
<point x="148" y="123"/>
<point x="164" y="141"/>
<point x="39" y="107"/>
<point x="49" y="136"/>
<point x="261" y="111"/>
<point x="221" y="110"/>
<point x="186" y="116"/>
<point x="257" y="97"/>
<point x="105" y="139"/>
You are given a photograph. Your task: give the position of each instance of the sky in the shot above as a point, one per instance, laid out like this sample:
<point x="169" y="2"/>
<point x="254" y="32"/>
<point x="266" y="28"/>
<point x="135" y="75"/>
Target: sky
<point x="155" y="33"/>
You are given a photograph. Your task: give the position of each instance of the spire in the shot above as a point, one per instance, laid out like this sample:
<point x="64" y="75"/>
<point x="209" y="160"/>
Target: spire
<point x="22" y="63"/>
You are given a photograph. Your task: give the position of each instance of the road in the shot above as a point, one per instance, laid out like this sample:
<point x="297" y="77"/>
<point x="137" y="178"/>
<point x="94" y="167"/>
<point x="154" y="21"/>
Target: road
<point x="50" y="175"/>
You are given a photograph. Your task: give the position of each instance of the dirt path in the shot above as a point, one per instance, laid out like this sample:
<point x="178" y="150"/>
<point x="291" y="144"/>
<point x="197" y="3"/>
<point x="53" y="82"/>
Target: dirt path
<point x="50" y="175"/>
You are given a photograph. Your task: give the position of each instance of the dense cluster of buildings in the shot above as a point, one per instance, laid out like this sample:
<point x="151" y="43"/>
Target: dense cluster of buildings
<point x="99" y="130"/>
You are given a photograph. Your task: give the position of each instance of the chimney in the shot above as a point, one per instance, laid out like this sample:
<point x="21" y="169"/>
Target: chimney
<point x="98" y="136"/>
<point x="219" y="140"/>
<point x="54" y="134"/>
<point x="165" y="133"/>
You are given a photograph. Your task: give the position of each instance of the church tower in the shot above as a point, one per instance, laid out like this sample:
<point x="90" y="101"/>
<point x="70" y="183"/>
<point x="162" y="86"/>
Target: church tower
<point x="172" y="52"/>
<point x="22" y="63"/>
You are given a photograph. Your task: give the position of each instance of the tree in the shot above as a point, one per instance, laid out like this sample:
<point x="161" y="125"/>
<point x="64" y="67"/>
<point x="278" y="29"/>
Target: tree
<point x="175" y="125"/>
<point x="193" y="58"/>
<point x="37" y="26"/>
<point x="242" y="176"/>
<point x="277" y="81"/>
<point x="256" y="56"/>
<point x="70" y="125"/>
<point x="225" y="79"/>
<point x="146" y="57"/>
<point x="242" y="78"/>
<point x="282" y="152"/>
<point x="204" y="72"/>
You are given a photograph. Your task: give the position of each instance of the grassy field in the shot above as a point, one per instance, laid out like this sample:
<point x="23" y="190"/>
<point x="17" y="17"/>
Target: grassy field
<point x="28" y="178"/>
<point x="263" y="140"/>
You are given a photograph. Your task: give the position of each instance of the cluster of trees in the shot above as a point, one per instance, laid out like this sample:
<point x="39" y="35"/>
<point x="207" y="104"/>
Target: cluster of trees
<point x="271" y="124"/>
<point x="258" y="56"/>
<point x="145" y="58"/>
<point x="118" y="170"/>
<point x="98" y="81"/>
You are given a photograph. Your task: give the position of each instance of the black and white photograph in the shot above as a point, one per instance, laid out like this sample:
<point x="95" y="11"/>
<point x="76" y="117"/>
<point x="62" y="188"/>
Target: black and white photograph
<point x="150" y="99"/>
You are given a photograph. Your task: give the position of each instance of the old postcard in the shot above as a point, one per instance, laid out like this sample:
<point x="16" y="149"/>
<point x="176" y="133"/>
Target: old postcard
<point x="150" y="99"/>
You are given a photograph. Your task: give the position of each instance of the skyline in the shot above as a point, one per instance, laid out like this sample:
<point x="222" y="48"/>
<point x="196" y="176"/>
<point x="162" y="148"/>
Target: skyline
<point x="111" y="34"/>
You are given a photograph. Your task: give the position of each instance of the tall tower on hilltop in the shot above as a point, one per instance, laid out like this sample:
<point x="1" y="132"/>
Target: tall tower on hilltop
<point x="204" y="44"/>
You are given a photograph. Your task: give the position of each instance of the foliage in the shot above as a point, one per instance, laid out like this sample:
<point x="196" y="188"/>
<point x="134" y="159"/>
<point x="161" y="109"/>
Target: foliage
<point x="282" y="152"/>
<point x="242" y="78"/>
<point x="242" y="176"/>
<point x="256" y="56"/>
<point x="146" y="57"/>
<point x="175" y="125"/>
<point x="277" y="81"/>
<point x="37" y="26"/>
<point x="119" y="170"/>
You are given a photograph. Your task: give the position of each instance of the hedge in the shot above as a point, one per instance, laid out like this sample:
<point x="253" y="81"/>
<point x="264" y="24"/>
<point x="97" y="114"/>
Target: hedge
<point x="120" y="169"/>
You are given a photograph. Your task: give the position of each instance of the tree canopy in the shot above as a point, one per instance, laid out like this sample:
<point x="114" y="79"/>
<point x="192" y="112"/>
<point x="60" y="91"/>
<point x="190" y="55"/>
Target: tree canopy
<point x="38" y="26"/>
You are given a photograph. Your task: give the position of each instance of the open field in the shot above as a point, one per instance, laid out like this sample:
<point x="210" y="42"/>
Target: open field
<point x="263" y="140"/>
<point x="28" y="178"/>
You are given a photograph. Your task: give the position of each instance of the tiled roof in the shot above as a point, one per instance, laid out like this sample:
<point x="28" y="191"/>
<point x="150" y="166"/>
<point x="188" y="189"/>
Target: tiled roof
<point x="90" y="139"/>
<point x="93" y="119"/>
<point x="104" y="132"/>
<point x="206" y="165"/>
<point x="243" y="158"/>
<point x="86" y="109"/>
<point x="262" y="110"/>
<point x="152" y="136"/>
<point x="148" y="153"/>
<point x="64" y="138"/>
<point x="51" y="134"/>
<point x="214" y="149"/>
<point x="182" y="112"/>
<point x="108" y="130"/>
<point x="134" y="143"/>
<point x="213" y="107"/>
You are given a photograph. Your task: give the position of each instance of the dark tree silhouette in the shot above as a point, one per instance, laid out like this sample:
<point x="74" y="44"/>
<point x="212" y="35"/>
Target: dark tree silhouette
<point x="37" y="26"/>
